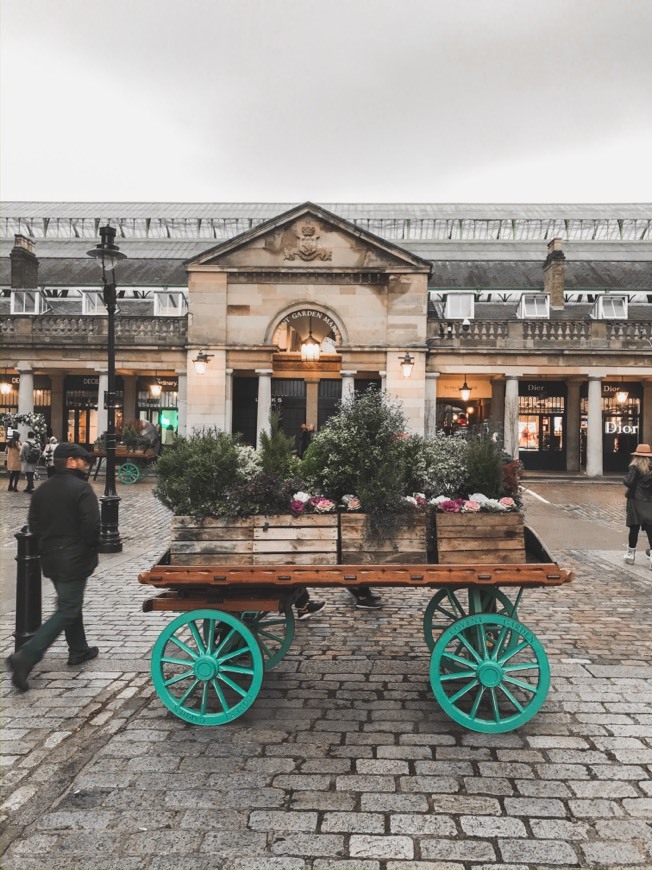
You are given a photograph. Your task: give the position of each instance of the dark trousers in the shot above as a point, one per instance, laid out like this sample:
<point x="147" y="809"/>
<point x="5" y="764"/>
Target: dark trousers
<point x="633" y="536"/>
<point x="67" y="617"/>
<point x="50" y="470"/>
<point x="304" y="597"/>
<point x="30" y="481"/>
<point x="14" y="477"/>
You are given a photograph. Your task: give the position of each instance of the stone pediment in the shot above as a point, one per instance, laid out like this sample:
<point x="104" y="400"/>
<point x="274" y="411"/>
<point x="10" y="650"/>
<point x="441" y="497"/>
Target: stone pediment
<point x="309" y="237"/>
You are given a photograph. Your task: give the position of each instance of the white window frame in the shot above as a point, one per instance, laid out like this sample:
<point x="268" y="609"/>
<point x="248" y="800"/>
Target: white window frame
<point x="600" y="311"/>
<point x="459" y="306"/>
<point x="19" y="299"/>
<point x="163" y="309"/>
<point x="93" y="303"/>
<point x="534" y="306"/>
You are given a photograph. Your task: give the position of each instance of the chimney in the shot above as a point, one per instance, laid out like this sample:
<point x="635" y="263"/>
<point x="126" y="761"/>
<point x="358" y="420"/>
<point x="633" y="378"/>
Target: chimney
<point x="553" y="274"/>
<point x="24" y="264"/>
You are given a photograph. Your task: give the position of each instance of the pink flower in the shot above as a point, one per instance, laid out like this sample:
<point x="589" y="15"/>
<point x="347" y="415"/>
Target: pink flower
<point x="353" y="503"/>
<point x="297" y="507"/>
<point x="471" y="506"/>
<point x="509" y="503"/>
<point x="453" y="506"/>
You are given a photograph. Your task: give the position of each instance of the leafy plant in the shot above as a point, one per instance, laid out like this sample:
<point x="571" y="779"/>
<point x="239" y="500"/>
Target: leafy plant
<point x="363" y="450"/>
<point x="277" y="449"/>
<point x="484" y="464"/>
<point x="200" y="475"/>
<point x="439" y="466"/>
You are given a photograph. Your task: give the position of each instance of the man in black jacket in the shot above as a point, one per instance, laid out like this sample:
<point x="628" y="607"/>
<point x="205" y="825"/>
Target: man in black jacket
<point x="65" y="518"/>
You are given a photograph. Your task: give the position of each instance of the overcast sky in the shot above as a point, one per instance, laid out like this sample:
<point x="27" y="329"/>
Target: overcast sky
<point x="340" y="100"/>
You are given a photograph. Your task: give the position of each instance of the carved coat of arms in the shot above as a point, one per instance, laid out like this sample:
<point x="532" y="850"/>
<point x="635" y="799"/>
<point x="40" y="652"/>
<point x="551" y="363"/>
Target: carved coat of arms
<point x="307" y="246"/>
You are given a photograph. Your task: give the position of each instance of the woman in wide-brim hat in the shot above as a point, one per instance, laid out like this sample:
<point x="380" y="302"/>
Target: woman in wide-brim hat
<point x="638" y="483"/>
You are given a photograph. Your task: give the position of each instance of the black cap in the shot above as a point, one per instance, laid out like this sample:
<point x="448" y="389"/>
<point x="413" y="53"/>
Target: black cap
<point x="66" y="450"/>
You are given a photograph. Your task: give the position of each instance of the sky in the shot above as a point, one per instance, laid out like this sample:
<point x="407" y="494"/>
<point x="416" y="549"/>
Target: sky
<point x="456" y="101"/>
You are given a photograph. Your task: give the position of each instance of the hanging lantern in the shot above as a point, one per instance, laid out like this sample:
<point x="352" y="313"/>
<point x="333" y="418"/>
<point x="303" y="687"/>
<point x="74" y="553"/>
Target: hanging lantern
<point x="407" y="364"/>
<point x="310" y="348"/>
<point x="465" y="391"/>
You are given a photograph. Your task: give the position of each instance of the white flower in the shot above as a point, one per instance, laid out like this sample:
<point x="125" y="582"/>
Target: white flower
<point x="301" y="496"/>
<point x="439" y="499"/>
<point x="477" y="496"/>
<point x="410" y="500"/>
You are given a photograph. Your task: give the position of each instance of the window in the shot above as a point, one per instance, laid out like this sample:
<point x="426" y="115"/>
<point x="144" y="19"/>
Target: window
<point x="534" y="305"/>
<point x="610" y="306"/>
<point x="169" y="304"/>
<point x="459" y="306"/>
<point x="92" y="302"/>
<point x="26" y="302"/>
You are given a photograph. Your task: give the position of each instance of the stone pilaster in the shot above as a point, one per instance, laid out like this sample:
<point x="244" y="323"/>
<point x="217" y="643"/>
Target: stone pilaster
<point x="228" y="401"/>
<point x="594" y="428"/>
<point x="264" y="401"/>
<point x="510" y="435"/>
<point x="348" y="383"/>
<point x="430" y="421"/>
<point x="182" y="403"/>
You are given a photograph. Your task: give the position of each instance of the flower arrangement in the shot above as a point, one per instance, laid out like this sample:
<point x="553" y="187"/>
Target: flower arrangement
<point x="303" y="503"/>
<point x="33" y="421"/>
<point x="474" y="504"/>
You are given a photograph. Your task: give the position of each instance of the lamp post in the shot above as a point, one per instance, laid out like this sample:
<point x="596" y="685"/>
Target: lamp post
<point x="108" y="254"/>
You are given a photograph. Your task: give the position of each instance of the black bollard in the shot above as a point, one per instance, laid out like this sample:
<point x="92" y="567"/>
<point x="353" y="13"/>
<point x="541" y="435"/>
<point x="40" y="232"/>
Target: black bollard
<point x="28" y="588"/>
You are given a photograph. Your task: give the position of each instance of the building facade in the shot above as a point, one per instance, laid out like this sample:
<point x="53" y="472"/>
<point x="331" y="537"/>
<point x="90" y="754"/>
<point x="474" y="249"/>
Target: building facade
<point x="535" y="318"/>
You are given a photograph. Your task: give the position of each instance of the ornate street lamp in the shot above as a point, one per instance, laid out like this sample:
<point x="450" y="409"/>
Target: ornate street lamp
<point x="310" y="348"/>
<point x="108" y="255"/>
<point x="407" y="363"/>
<point x="156" y="388"/>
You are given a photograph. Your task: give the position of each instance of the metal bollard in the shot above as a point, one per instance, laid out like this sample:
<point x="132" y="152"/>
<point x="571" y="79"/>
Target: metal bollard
<point x="28" y="588"/>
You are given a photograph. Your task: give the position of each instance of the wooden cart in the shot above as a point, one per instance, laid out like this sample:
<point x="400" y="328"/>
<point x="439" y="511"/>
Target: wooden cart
<point x="488" y="671"/>
<point x="132" y="465"/>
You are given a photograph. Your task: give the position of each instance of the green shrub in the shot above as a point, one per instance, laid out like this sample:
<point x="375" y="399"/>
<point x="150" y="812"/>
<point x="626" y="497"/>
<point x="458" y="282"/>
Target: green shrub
<point x="485" y="459"/>
<point x="440" y="466"/>
<point x="277" y="449"/>
<point x="199" y="475"/>
<point x="362" y="450"/>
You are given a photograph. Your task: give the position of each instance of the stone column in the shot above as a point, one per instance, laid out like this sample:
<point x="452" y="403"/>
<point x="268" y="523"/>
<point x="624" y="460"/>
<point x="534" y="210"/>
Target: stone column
<point x="312" y="401"/>
<point x="264" y="401"/>
<point x="129" y="397"/>
<point x="383" y="380"/>
<point x="182" y="402"/>
<point x="25" y="388"/>
<point x="497" y="414"/>
<point x="102" y="387"/>
<point x="594" y="428"/>
<point x="572" y="433"/>
<point x="430" y="409"/>
<point x="348" y="384"/>
<point x="228" y="401"/>
<point x="59" y="427"/>
<point x="510" y="435"/>
<point x="645" y="432"/>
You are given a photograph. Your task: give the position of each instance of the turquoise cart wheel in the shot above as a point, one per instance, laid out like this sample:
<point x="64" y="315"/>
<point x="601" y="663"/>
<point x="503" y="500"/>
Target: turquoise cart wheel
<point x="274" y="633"/>
<point x="447" y="606"/>
<point x="503" y="676"/>
<point x="128" y="472"/>
<point x="207" y="667"/>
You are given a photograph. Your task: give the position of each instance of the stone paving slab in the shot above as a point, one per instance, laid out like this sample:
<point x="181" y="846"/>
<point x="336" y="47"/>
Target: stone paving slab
<point x="344" y="762"/>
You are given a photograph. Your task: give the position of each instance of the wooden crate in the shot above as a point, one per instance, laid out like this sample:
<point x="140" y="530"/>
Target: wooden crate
<point x="476" y="538"/>
<point x="258" y="540"/>
<point x="408" y="546"/>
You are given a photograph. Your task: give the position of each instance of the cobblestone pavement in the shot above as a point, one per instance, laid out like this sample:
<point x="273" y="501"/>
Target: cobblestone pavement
<point x="345" y="761"/>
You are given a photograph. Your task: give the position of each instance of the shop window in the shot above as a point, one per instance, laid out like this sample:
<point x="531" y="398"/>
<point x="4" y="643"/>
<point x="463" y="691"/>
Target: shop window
<point x="170" y="304"/>
<point x="610" y="306"/>
<point x="26" y="302"/>
<point x="459" y="306"/>
<point x="534" y="305"/>
<point x="92" y="302"/>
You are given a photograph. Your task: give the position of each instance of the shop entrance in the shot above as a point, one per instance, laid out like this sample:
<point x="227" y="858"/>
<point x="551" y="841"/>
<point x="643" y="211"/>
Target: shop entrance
<point x="621" y="418"/>
<point x="542" y="425"/>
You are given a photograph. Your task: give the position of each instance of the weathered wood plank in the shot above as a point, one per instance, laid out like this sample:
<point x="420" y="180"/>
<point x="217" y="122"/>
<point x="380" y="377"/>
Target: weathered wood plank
<point x="480" y="538"/>
<point x="310" y="533"/>
<point x="290" y="521"/>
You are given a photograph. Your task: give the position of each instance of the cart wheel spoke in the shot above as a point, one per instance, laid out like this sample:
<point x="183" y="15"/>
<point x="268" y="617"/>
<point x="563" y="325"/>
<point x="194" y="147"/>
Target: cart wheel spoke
<point x="128" y="472"/>
<point x="224" y="682"/>
<point x="274" y="644"/>
<point x="446" y="607"/>
<point x="492" y="699"/>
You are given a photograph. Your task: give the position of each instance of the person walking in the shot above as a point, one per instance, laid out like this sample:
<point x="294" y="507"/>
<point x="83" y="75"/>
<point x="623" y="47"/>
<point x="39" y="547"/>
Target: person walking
<point x="30" y="453"/>
<point x="639" y="500"/>
<point x="64" y="516"/>
<point x="13" y="461"/>
<point x="48" y="455"/>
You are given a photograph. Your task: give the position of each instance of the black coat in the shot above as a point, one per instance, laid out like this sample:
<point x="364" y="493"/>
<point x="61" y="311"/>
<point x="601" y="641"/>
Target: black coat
<point x="65" y="517"/>
<point x="639" y="501"/>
